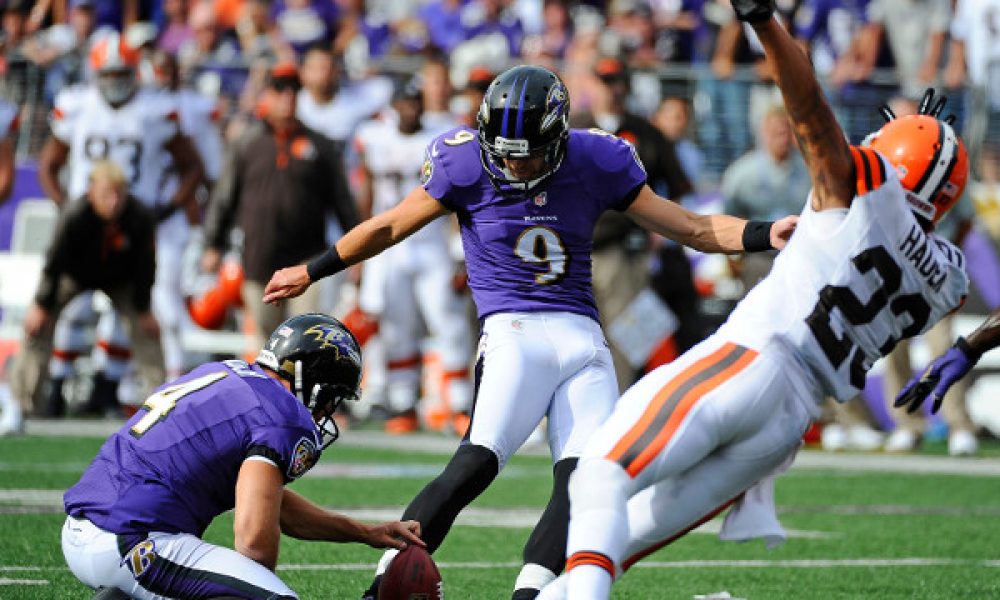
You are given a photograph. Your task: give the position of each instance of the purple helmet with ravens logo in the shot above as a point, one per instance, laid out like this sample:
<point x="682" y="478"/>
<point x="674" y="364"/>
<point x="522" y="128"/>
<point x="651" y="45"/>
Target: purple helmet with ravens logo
<point x="322" y="361"/>
<point x="524" y="114"/>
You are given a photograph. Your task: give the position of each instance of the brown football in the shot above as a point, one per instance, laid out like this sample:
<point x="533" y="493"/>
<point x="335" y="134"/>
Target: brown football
<point x="412" y="575"/>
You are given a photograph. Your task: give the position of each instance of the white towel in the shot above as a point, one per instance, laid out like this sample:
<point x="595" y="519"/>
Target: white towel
<point x="753" y="515"/>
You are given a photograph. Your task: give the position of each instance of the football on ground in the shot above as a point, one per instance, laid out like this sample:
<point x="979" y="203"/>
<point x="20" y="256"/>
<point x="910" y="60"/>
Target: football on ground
<point x="412" y="575"/>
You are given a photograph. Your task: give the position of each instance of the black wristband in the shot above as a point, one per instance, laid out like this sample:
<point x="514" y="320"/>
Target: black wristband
<point x="757" y="236"/>
<point x="973" y="354"/>
<point x="325" y="264"/>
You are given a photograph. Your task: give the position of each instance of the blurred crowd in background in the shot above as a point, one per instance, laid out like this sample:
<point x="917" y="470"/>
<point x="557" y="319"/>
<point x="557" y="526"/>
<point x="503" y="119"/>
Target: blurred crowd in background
<point x="681" y="79"/>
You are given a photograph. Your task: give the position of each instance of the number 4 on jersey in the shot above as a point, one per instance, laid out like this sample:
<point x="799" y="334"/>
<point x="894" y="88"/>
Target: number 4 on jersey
<point x="162" y="402"/>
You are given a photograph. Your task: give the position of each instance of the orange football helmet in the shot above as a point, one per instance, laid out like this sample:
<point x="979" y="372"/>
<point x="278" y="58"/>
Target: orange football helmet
<point x="929" y="157"/>
<point x="209" y="305"/>
<point x="115" y="63"/>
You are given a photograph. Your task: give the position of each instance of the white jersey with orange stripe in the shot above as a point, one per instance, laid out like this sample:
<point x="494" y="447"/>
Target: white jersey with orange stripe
<point x="133" y="135"/>
<point x="395" y="160"/>
<point x="852" y="283"/>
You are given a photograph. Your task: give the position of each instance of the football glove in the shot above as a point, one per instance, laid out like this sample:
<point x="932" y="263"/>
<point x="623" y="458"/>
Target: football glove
<point x="940" y="375"/>
<point x="753" y="11"/>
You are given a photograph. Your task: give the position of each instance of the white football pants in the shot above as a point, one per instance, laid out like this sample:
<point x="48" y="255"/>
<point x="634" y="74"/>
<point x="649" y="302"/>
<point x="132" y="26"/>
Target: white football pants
<point x="554" y="364"/>
<point x="175" y="565"/>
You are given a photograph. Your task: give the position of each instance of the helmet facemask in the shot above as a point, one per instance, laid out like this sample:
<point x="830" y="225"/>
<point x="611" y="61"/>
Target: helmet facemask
<point x="322" y="400"/>
<point x="117" y="85"/>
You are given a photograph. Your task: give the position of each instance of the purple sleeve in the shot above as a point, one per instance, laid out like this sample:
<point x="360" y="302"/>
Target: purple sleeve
<point x="614" y="171"/>
<point x="292" y="449"/>
<point x="451" y="162"/>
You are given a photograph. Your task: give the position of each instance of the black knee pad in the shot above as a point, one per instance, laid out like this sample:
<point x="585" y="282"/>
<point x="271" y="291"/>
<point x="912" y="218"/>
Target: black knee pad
<point x="547" y="544"/>
<point x="469" y="472"/>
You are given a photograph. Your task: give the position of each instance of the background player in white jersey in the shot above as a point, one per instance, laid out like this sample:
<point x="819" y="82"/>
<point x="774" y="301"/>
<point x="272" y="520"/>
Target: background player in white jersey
<point x="198" y="122"/>
<point x="137" y="128"/>
<point x="527" y="191"/>
<point x="410" y="285"/>
<point x="862" y="272"/>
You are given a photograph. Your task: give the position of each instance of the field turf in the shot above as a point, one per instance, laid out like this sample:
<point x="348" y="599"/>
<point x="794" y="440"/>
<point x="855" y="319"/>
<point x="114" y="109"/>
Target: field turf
<point x="858" y="534"/>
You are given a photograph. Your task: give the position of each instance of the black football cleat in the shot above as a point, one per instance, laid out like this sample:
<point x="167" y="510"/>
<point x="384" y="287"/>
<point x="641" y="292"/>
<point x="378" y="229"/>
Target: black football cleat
<point x="525" y="594"/>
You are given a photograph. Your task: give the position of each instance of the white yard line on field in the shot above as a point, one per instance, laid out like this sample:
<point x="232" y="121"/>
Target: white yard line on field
<point x="6" y="581"/>
<point x="817" y="563"/>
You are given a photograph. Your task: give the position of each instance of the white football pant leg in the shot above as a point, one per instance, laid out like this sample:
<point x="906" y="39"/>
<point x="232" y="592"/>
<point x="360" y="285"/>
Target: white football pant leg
<point x="444" y="312"/>
<point x="72" y="337"/>
<point x="168" y="299"/>
<point x="400" y="328"/>
<point x="112" y="349"/>
<point x="585" y="399"/>
<point x="188" y="565"/>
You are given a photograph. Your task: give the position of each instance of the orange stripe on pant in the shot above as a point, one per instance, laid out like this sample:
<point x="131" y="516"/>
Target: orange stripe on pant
<point x="661" y="419"/>
<point x="585" y="557"/>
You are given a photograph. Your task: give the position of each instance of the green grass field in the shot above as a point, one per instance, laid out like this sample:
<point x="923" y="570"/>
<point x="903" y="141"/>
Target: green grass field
<point x="861" y="534"/>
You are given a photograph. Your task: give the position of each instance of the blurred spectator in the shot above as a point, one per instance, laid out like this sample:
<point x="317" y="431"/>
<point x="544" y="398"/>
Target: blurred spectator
<point x="673" y="119"/>
<point x="305" y="23"/>
<point x="974" y="58"/>
<point x="621" y="248"/>
<point x="556" y="34"/>
<point x="830" y="30"/>
<point x="435" y="86"/>
<point x="369" y="34"/>
<point x="632" y="33"/>
<point x="103" y="241"/>
<point x="8" y="131"/>
<point x="279" y="180"/>
<point x="677" y="25"/>
<point x="443" y="20"/>
<point x="208" y="46"/>
<point x="985" y="190"/>
<point x="176" y="31"/>
<point x="724" y="90"/>
<point x="15" y="21"/>
<point x="916" y="41"/>
<point x="253" y="30"/>
<point x="333" y="106"/>
<point x="487" y="17"/>
<point x="62" y="48"/>
<point x="476" y="84"/>
<point x="765" y="184"/>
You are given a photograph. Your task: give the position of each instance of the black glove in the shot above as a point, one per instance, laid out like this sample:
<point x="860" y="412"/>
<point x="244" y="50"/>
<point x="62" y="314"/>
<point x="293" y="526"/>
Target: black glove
<point x="753" y="11"/>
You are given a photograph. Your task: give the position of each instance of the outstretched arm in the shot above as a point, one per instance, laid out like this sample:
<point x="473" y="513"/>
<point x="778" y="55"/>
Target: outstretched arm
<point x="821" y="139"/>
<point x="302" y="519"/>
<point x="951" y="366"/>
<point x="364" y="241"/>
<point x="708" y="233"/>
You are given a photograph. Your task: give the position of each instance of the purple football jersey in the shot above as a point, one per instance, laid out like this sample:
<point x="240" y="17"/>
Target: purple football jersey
<point x="173" y="466"/>
<point x="530" y="251"/>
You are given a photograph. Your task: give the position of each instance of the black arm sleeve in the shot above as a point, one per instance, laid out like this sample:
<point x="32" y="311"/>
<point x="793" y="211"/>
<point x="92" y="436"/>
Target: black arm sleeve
<point x="338" y="195"/>
<point x="144" y="259"/>
<point x="57" y="257"/>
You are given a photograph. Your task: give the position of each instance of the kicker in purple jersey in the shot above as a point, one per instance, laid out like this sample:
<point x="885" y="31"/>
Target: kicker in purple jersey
<point x="530" y="251"/>
<point x="172" y="468"/>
